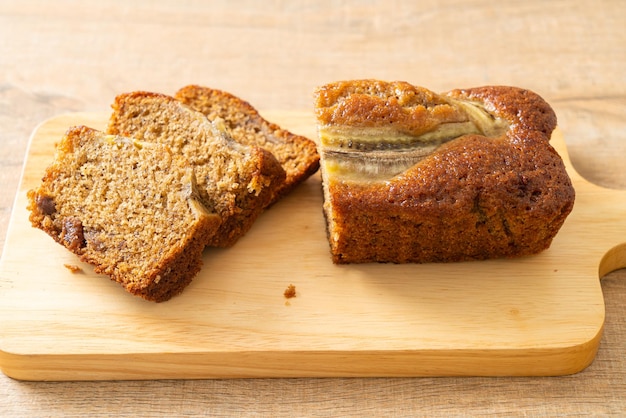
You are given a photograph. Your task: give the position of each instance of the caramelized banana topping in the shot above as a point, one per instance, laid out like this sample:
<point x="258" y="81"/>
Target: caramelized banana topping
<point x="380" y="152"/>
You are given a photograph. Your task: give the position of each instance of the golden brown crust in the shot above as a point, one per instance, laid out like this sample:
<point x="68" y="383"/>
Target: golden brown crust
<point x="239" y="181"/>
<point x="373" y="103"/>
<point x="524" y="109"/>
<point x="474" y="198"/>
<point x="297" y="155"/>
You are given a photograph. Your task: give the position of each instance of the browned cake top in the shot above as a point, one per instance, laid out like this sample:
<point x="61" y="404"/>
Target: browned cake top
<point x="525" y="110"/>
<point x="372" y="130"/>
<point x="373" y="103"/>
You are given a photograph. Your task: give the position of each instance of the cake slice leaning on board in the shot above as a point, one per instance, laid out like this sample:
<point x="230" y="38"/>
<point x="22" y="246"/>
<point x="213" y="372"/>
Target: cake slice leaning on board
<point x="129" y="208"/>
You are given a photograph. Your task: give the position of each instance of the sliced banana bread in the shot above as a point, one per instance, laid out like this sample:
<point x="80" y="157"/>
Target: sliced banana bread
<point x="129" y="208"/>
<point x="297" y="154"/>
<point x="237" y="180"/>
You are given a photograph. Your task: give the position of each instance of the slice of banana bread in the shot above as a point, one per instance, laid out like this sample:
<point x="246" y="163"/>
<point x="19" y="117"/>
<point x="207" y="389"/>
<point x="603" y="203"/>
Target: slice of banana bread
<point x="297" y="154"/>
<point x="129" y="208"/>
<point x="237" y="180"/>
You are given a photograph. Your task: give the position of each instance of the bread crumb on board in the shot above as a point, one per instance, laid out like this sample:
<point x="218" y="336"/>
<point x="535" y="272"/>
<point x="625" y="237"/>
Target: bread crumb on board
<point x="73" y="268"/>
<point x="290" y="292"/>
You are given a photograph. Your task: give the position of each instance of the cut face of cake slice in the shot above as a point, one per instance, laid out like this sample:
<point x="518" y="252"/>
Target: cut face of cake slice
<point x="297" y="155"/>
<point x="238" y="181"/>
<point x="414" y="176"/>
<point x="129" y="208"/>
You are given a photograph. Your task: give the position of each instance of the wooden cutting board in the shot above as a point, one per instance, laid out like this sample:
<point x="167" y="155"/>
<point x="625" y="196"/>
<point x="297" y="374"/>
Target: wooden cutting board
<point x="540" y="315"/>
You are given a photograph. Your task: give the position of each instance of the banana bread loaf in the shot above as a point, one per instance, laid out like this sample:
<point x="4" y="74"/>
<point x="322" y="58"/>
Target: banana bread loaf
<point x="129" y="208"/>
<point x="238" y="181"/>
<point x="413" y="176"/>
<point x="297" y="154"/>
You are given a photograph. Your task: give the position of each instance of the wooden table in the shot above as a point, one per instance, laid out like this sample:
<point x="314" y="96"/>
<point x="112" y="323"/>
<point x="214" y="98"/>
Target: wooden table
<point x="65" y="56"/>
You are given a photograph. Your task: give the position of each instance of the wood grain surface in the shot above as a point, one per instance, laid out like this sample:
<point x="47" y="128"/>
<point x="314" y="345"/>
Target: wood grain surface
<point x="75" y="56"/>
<point x="539" y="315"/>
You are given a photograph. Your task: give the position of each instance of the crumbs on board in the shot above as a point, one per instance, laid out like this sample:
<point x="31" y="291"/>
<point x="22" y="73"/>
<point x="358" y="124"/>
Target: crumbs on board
<point x="290" y="292"/>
